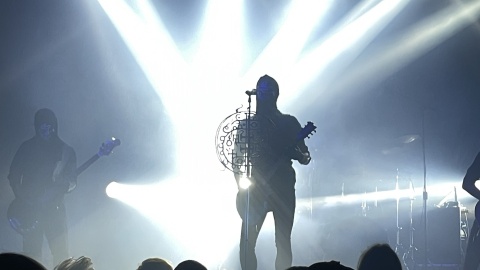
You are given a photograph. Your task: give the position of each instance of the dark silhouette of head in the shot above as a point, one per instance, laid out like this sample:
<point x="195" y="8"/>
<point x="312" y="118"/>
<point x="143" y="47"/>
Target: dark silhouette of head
<point x="155" y="264"/>
<point x="331" y="265"/>
<point x="190" y="265"/>
<point x="267" y="93"/>
<point x="14" y="261"/>
<point x="379" y="256"/>
<point x="46" y="124"/>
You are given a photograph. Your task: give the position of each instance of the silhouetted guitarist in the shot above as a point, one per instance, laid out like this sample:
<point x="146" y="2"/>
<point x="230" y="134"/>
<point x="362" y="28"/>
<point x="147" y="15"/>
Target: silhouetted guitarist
<point x="472" y="253"/>
<point x="273" y="148"/>
<point x="42" y="171"/>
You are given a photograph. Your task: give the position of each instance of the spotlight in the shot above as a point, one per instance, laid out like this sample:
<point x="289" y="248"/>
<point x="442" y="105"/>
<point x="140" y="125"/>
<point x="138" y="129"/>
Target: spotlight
<point x="244" y="182"/>
<point x="112" y="190"/>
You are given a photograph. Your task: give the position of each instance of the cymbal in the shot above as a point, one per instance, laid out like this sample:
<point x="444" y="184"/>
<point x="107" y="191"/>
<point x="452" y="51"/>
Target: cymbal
<point x="408" y="138"/>
<point x="396" y="145"/>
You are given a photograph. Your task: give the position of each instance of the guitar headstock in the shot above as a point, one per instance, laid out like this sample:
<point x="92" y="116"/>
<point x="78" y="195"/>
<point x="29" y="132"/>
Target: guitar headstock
<point x="306" y="131"/>
<point x="107" y="147"/>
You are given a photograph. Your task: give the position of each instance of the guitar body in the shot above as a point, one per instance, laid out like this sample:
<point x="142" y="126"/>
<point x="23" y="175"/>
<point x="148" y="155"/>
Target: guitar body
<point x="24" y="216"/>
<point x="253" y="201"/>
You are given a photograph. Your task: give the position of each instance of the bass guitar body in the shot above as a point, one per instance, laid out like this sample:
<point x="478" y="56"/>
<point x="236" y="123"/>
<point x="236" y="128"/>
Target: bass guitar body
<point x="23" y="217"/>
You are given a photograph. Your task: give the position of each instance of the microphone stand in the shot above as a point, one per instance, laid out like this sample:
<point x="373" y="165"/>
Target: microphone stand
<point x="230" y="135"/>
<point x="248" y="174"/>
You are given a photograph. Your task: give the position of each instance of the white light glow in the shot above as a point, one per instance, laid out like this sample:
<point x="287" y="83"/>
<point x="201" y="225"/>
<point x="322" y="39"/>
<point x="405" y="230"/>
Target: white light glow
<point x="284" y="49"/>
<point x="220" y="51"/>
<point x="244" y="183"/>
<point x="437" y="190"/>
<point x="413" y="43"/>
<point x="174" y="209"/>
<point x="185" y="89"/>
<point x="218" y="74"/>
<point x="348" y="42"/>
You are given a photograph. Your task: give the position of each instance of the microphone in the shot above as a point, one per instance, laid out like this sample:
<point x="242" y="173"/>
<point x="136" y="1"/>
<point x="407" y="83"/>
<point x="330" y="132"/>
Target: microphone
<point x="251" y="92"/>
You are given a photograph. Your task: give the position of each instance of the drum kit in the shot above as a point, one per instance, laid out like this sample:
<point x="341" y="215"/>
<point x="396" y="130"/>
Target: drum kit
<point x="395" y="210"/>
<point x="392" y="209"/>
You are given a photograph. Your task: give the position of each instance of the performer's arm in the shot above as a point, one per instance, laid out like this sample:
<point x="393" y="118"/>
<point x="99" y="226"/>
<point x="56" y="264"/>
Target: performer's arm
<point x="15" y="174"/>
<point x="71" y="170"/>
<point x="300" y="151"/>
<point x="303" y="155"/>
<point x="64" y="176"/>
<point x="472" y="176"/>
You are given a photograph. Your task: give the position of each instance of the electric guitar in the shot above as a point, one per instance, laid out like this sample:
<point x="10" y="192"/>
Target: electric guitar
<point x="253" y="196"/>
<point x="23" y="216"/>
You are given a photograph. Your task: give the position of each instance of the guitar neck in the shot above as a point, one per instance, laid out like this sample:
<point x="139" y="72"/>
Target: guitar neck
<point x="87" y="164"/>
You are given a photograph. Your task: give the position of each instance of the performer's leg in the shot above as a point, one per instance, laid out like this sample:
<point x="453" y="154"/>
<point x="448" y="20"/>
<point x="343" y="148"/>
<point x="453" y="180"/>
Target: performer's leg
<point x="32" y="243"/>
<point x="57" y="234"/>
<point x="472" y="257"/>
<point x="248" y="258"/>
<point x="283" y="213"/>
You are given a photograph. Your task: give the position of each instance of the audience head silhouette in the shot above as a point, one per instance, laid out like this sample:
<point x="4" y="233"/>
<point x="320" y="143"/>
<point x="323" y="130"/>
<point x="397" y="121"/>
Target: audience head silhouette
<point x="190" y="265"/>
<point x="14" y="261"/>
<point x="331" y="265"/>
<point x="155" y="264"/>
<point x="379" y="256"/>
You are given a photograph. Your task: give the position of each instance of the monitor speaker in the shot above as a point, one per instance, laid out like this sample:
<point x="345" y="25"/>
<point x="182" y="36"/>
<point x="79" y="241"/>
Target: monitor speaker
<point x="443" y="237"/>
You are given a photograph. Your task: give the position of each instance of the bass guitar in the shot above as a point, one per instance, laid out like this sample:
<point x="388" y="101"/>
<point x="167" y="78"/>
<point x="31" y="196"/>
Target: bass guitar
<point x="251" y="195"/>
<point x="23" y="216"/>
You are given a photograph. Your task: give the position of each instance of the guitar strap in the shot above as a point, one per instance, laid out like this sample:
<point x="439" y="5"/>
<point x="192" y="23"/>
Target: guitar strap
<point x="72" y="184"/>
<point x="60" y="168"/>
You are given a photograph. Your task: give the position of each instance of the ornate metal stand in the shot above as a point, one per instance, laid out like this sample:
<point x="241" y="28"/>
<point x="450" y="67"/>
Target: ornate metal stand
<point x="234" y="145"/>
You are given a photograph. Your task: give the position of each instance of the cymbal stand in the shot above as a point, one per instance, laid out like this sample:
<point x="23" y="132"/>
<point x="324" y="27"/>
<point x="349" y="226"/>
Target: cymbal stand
<point x="424" y="196"/>
<point x="398" y="245"/>
<point x="364" y="206"/>
<point x="408" y="257"/>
